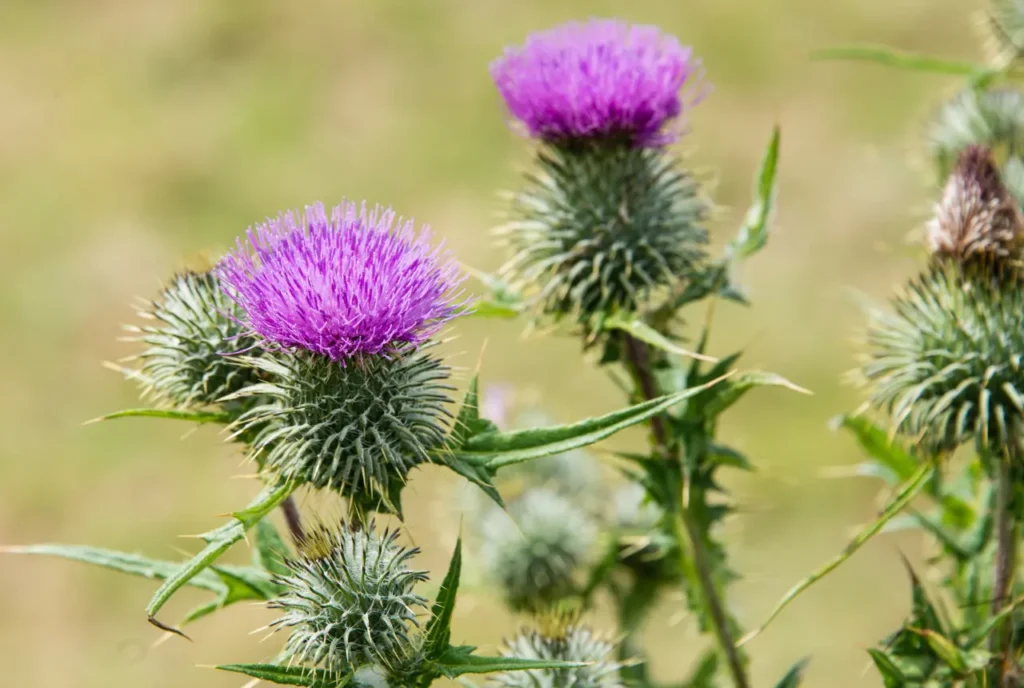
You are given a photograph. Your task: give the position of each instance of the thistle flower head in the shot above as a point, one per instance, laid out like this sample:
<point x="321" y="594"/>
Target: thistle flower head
<point x="357" y="429"/>
<point x="977" y="219"/>
<point x="352" y="283"/>
<point x="1004" y="22"/>
<point x="190" y="329"/>
<point x="945" y="363"/>
<point x="573" y="644"/>
<point x="598" y="79"/>
<point x="348" y="602"/>
<point x="536" y="555"/>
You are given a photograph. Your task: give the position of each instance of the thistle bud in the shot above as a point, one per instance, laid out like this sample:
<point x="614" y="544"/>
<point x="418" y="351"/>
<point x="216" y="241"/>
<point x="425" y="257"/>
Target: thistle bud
<point x="191" y="328"/>
<point x="573" y="644"/>
<point x="992" y="117"/>
<point x="348" y="603"/>
<point x="976" y="220"/>
<point x="536" y="551"/>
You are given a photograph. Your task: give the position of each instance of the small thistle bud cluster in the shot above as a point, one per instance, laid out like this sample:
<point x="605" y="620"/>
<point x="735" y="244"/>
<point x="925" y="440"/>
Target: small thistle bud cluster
<point x="348" y="603"/>
<point x="345" y="306"/>
<point x="608" y="218"/>
<point x="190" y="329"/>
<point x="573" y="644"/>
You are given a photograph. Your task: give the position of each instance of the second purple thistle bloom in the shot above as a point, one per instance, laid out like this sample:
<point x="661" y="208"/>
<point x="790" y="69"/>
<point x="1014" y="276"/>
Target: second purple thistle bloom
<point x="341" y="285"/>
<point x="596" y="79"/>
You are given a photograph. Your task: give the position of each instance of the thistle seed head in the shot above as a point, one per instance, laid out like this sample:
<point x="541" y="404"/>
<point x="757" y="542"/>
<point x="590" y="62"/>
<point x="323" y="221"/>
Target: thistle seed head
<point x="190" y="328"/>
<point x="357" y="429"/>
<point x="945" y="363"/>
<point x="535" y="552"/>
<point x="348" y="602"/>
<point x="600" y="228"/>
<point x="977" y="220"/>
<point x="573" y="644"/>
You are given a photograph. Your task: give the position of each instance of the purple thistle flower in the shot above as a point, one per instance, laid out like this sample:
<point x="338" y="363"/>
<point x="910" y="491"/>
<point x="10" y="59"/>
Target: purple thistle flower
<point x="353" y="283"/>
<point x="601" y="78"/>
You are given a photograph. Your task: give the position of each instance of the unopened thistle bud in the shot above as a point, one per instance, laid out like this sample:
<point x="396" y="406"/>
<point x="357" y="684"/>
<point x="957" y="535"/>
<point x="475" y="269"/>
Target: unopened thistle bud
<point x="536" y="551"/>
<point x="573" y="644"/>
<point x="348" y="603"/>
<point x="977" y="220"/>
<point x="346" y="305"/>
<point x="190" y="330"/>
<point x="1004" y="24"/>
<point x="608" y="217"/>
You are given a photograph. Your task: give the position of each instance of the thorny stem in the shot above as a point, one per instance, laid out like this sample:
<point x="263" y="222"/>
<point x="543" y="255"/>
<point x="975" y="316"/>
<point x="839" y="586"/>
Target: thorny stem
<point x="685" y="530"/>
<point x="293" y="519"/>
<point x="1007" y="533"/>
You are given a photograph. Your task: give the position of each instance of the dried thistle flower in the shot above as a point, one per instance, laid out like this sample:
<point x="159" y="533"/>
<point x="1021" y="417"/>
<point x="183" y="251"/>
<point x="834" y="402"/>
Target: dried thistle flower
<point x="946" y="362"/>
<point x="536" y="550"/>
<point x="976" y="219"/>
<point x="572" y="644"/>
<point x="191" y="327"/>
<point x="348" y="602"/>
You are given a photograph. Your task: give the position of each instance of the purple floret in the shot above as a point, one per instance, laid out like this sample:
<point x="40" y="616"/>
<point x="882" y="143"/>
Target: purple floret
<point x="349" y="284"/>
<point x="601" y="78"/>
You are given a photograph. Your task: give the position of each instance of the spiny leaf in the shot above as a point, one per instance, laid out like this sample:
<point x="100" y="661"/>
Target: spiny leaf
<point x="795" y="675"/>
<point x="945" y="649"/>
<point x="269" y="550"/>
<point x="289" y="675"/>
<point x="645" y="333"/>
<point x="194" y="416"/>
<point x="753" y="235"/>
<point x="460" y="660"/>
<point x="891" y="674"/>
<point x="739" y="385"/>
<point x="493" y="450"/>
<point x="439" y="628"/>
<point x="889" y="57"/>
<point x="219" y="541"/>
<point x="895" y="506"/>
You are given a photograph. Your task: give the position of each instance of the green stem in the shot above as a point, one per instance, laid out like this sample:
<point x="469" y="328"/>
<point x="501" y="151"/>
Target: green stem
<point x="1007" y="535"/>
<point x="693" y="555"/>
<point x="632" y="609"/>
<point x="294" y="520"/>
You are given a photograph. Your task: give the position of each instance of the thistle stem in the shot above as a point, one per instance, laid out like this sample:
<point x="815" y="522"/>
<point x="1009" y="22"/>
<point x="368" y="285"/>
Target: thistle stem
<point x="694" y="557"/>
<point x="1007" y="534"/>
<point x="293" y="519"/>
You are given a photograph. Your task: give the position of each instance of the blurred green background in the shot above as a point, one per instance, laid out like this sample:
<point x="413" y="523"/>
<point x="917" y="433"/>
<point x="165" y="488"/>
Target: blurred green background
<point x="134" y="135"/>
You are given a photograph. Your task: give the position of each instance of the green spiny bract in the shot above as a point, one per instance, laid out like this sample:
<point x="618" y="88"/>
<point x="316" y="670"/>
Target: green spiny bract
<point x="348" y="603"/>
<point x="600" y="225"/>
<point x="993" y="118"/>
<point x="357" y="428"/>
<point x="535" y="552"/>
<point x="574" y="644"/>
<point x="192" y="326"/>
<point x="1005" y="23"/>
<point x="946" y="362"/>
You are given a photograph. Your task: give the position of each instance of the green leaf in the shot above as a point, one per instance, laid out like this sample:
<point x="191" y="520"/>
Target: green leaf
<point x="753" y="235"/>
<point x="493" y="450"/>
<point x="289" y="675"/>
<point x="795" y="675"/>
<point x="895" y="506"/>
<point x="132" y="564"/>
<point x="704" y="675"/>
<point x="637" y="328"/>
<point x="460" y="660"/>
<point x="194" y="416"/>
<point x="892" y="677"/>
<point x="735" y="388"/>
<point x="245" y="583"/>
<point x="469" y="423"/>
<point x="890" y="57"/>
<point x="219" y="541"/>
<point x="876" y="443"/>
<point x="439" y="628"/>
<point x="503" y="301"/>
<point x="269" y="551"/>
<point x="945" y="649"/>
<point x="489" y="308"/>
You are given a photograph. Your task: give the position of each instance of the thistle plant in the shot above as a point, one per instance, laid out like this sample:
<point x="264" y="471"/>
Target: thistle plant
<point x="316" y="345"/>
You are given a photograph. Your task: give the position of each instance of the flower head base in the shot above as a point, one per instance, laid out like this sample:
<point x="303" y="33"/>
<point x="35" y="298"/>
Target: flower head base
<point x="573" y="644"/>
<point x="946" y="363"/>
<point x="341" y="285"/>
<point x="357" y="429"/>
<point x="535" y="557"/>
<point x="348" y="602"/>
<point x="192" y="326"/>
<point x="977" y="220"/>
<point x="602" y="79"/>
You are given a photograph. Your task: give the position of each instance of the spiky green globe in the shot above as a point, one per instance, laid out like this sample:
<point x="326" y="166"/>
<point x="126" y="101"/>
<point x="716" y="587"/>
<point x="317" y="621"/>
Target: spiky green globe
<point x="1005" y="23"/>
<point x="535" y="552"/>
<point x="575" y="644"/>
<point x="190" y="328"/>
<point x="357" y="428"/>
<point x="348" y="602"/>
<point x="599" y="226"/>
<point x="945" y="363"/>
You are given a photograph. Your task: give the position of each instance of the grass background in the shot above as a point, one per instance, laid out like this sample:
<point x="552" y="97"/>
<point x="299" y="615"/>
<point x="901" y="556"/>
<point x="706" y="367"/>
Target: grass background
<point x="134" y="135"/>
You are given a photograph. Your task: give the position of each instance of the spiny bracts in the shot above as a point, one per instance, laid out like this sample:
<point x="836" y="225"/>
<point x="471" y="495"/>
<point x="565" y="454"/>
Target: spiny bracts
<point x="573" y="644"/>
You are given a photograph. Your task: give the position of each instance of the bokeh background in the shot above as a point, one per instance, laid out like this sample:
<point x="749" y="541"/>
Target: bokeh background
<point x="134" y="135"/>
